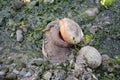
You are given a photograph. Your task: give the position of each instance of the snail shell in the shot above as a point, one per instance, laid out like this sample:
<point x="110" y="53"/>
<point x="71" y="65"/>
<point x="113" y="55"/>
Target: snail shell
<point x="70" y="31"/>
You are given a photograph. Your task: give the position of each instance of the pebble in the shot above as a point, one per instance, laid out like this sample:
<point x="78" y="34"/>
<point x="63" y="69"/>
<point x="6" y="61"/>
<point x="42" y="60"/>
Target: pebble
<point x="59" y="75"/>
<point x="16" y="71"/>
<point x="93" y="29"/>
<point x="92" y="12"/>
<point x="28" y="74"/>
<point x="12" y="34"/>
<point x="105" y="57"/>
<point x="24" y="29"/>
<point x="32" y="4"/>
<point x="2" y="73"/>
<point x="19" y="35"/>
<point x="4" y="70"/>
<point x="11" y="22"/>
<point x="110" y="69"/>
<point x="37" y="62"/>
<point x="71" y="78"/>
<point x="11" y="76"/>
<point x="1" y="48"/>
<point x="23" y="72"/>
<point x="50" y="1"/>
<point x="17" y="5"/>
<point x="47" y="75"/>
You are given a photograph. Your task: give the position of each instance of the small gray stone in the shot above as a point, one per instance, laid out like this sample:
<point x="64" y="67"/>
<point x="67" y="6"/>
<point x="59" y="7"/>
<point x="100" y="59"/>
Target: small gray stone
<point x="32" y="4"/>
<point x="47" y="75"/>
<point x="19" y="35"/>
<point x="92" y="12"/>
<point x="50" y="1"/>
<point x="110" y="69"/>
<point x="1" y="48"/>
<point x="16" y="71"/>
<point x="2" y="73"/>
<point x="28" y="74"/>
<point x="71" y="78"/>
<point x="37" y="62"/>
<point x="59" y="75"/>
<point x="11" y="76"/>
<point x="4" y="70"/>
<point x="17" y="4"/>
<point x="11" y="22"/>
<point x="24" y="29"/>
<point x="105" y="57"/>
<point x="23" y="72"/>
<point x="12" y="34"/>
<point x="93" y="29"/>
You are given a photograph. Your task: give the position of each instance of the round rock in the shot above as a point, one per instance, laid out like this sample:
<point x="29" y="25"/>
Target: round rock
<point x="19" y="35"/>
<point x="11" y="76"/>
<point x="91" y="55"/>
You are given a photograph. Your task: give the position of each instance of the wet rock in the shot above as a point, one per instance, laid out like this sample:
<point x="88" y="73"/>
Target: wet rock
<point x="37" y="62"/>
<point x="19" y="35"/>
<point x="11" y="76"/>
<point x="47" y="75"/>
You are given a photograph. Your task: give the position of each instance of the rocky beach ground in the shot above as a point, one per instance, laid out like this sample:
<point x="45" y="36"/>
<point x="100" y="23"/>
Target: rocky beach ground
<point x="21" y="37"/>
